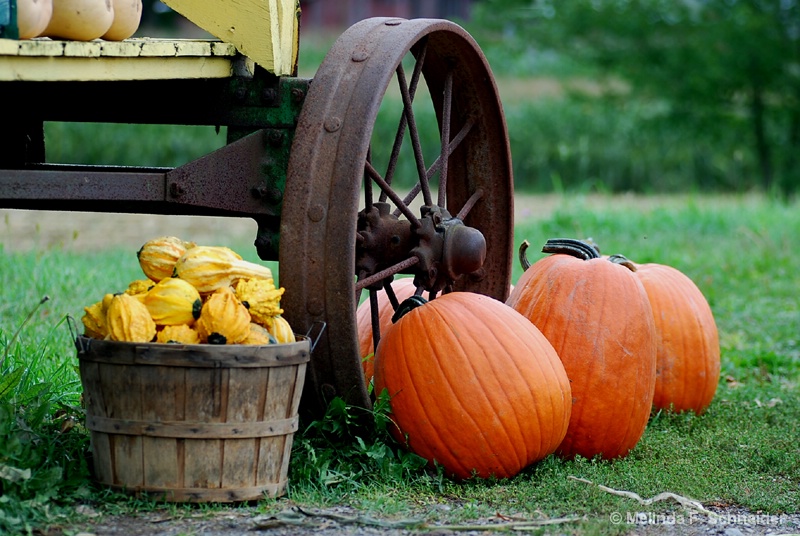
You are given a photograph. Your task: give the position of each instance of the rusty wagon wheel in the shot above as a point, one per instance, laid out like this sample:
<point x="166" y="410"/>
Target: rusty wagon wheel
<point x="345" y="228"/>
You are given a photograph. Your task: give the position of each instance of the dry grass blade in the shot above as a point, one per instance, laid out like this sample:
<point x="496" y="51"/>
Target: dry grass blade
<point x="22" y="325"/>
<point x="686" y="502"/>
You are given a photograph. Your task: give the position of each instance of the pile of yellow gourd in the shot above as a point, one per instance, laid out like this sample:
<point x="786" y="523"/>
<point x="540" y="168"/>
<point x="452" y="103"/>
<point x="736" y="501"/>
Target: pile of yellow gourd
<point x="192" y="295"/>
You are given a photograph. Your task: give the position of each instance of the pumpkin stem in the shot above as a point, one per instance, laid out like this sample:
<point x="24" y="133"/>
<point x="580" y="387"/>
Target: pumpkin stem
<point x="592" y="243"/>
<point x="624" y="261"/>
<point x="571" y="246"/>
<point x="523" y="258"/>
<point x="407" y="305"/>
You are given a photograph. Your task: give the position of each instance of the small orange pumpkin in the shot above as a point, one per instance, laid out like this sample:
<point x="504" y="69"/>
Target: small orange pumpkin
<point x="223" y="319"/>
<point x="403" y="288"/>
<point x="127" y="319"/>
<point x="688" y="355"/>
<point x="280" y="329"/>
<point x="259" y="335"/>
<point x="474" y="386"/>
<point x="597" y="316"/>
<point x="178" y="334"/>
<point x="157" y="257"/>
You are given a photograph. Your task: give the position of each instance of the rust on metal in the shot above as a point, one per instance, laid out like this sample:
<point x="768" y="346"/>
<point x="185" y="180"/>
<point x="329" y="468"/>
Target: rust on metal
<point x="80" y="183"/>
<point x="225" y="179"/>
<point x="363" y="242"/>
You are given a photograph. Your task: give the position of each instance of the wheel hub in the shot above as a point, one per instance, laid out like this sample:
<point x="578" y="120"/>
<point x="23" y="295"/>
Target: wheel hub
<point x="444" y="248"/>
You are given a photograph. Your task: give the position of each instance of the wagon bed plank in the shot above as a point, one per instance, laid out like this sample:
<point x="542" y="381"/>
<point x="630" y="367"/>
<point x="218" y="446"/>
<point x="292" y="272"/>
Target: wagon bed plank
<point x="145" y="58"/>
<point x="135" y="46"/>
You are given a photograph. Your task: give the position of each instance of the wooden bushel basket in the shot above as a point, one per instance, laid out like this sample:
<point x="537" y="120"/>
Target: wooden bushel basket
<point x="192" y="423"/>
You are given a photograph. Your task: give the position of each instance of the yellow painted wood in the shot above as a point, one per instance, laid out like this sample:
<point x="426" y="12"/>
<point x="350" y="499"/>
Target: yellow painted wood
<point x="148" y="46"/>
<point x="120" y="49"/>
<point x="9" y="47"/>
<point x="133" y="59"/>
<point x="44" y="47"/>
<point x="92" y="49"/>
<point x="263" y="30"/>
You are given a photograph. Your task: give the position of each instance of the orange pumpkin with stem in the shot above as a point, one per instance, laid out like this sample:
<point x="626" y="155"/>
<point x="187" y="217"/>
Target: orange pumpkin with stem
<point x="688" y="355"/>
<point x="474" y="386"/>
<point x="597" y="316"/>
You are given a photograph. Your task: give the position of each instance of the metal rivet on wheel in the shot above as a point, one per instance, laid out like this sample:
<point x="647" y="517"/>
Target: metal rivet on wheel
<point x="315" y="307"/>
<point x="332" y="124"/>
<point x="394" y="22"/>
<point x="316" y="212"/>
<point x="359" y="56"/>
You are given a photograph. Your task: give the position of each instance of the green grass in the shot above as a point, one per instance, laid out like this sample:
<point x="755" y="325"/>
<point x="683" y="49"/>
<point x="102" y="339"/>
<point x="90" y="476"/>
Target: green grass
<point x="742" y="452"/>
<point x="134" y="144"/>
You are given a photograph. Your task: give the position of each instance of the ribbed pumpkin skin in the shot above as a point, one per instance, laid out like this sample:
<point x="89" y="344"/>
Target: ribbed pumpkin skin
<point x="473" y="385"/>
<point x="688" y="356"/>
<point x="127" y="319"/>
<point x="157" y="257"/>
<point x="223" y="317"/>
<point x="597" y="316"/>
<point x="281" y="330"/>
<point x="403" y="288"/>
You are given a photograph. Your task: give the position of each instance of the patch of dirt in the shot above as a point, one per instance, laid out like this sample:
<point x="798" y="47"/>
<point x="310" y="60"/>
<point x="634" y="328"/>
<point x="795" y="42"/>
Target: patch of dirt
<point x="236" y="521"/>
<point x="341" y="520"/>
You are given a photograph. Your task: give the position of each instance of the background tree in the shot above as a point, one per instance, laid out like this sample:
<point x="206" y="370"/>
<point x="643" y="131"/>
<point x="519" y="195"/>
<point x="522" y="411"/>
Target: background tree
<point x="711" y="65"/>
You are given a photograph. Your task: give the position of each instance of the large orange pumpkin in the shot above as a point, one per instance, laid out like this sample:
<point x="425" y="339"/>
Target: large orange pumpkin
<point x="597" y="316"/>
<point x="474" y="386"/>
<point x="688" y="355"/>
<point x="403" y="288"/>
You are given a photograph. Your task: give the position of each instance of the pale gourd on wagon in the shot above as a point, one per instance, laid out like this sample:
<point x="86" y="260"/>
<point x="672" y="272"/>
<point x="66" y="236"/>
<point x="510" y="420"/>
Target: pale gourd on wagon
<point x="301" y="158"/>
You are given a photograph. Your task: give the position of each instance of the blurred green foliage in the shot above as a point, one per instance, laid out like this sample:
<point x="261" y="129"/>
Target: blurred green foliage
<point x="706" y="90"/>
<point x="599" y="95"/>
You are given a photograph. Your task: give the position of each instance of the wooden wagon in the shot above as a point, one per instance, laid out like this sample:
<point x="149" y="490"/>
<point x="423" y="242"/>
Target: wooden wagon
<point x="298" y="157"/>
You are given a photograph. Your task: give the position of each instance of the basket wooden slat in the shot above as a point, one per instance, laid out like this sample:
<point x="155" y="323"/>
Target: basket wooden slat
<point x="192" y="423"/>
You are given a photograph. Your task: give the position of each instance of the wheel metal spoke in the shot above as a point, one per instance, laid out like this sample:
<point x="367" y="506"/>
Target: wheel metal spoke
<point x="374" y="319"/>
<point x="368" y="184"/>
<point x="469" y="204"/>
<point x="374" y="312"/>
<point x="409" y="198"/>
<point x="408" y="110"/>
<point x="445" y="143"/>
<point x="401" y="128"/>
<point x="452" y="146"/>
<point x="387" y="287"/>
<point x="387" y="189"/>
<point x="383" y="274"/>
<point x="412" y="194"/>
